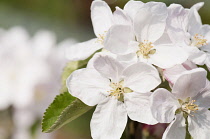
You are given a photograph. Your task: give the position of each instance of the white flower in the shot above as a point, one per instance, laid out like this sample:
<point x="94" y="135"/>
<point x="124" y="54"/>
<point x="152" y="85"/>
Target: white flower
<point x="185" y="29"/>
<point x="144" y="39"/>
<point x="118" y="91"/>
<point x="102" y="19"/>
<point x="189" y="100"/>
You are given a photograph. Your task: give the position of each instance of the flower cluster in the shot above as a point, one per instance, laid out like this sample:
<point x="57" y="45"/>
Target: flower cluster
<point x="135" y="46"/>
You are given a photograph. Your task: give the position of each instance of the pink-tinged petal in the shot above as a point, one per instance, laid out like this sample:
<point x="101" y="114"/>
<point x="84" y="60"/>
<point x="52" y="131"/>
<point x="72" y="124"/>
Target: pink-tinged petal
<point x="167" y="56"/>
<point x="101" y="16"/>
<point x="163" y="105"/>
<point x="199" y="124"/>
<point x="172" y="74"/>
<point x="132" y="7"/>
<point x="176" y="129"/>
<point x="109" y="67"/>
<point x="109" y="120"/>
<point x="190" y="83"/>
<point x="88" y="85"/>
<point x="141" y="77"/>
<point x="82" y="50"/>
<point x="138" y="107"/>
<point x="150" y="21"/>
<point x="118" y="38"/>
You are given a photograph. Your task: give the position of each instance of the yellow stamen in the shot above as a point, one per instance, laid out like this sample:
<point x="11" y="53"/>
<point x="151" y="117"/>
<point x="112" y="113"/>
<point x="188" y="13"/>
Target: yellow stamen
<point x="118" y="90"/>
<point x="189" y="107"/>
<point x="199" y="41"/>
<point x="101" y="38"/>
<point x="145" y="49"/>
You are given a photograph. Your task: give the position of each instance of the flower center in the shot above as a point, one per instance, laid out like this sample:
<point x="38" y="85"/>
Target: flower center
<point x="101" y="38"/>
<point x="145" y="49"/>
<point x="198" y="41"/>
<point x="188" y="106"/>
<point x="118" y="90"/>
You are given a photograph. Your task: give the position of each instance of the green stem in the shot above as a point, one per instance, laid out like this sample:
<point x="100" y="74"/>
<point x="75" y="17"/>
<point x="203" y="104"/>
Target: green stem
<point x="188" y="136"/>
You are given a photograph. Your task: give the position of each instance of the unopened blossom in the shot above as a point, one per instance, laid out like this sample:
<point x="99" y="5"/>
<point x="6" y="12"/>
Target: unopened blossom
<point x="102" y="19"/>
<point x="185" y="28"/>
<point x="187" y="103"/>
<point x="144" y="39"/>
<point x="117" y="91"/>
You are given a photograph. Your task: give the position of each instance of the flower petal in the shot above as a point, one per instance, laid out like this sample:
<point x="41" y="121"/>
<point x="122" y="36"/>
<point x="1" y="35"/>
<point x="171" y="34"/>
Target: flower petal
<point x="176" y="129"/>
<point x="132" y="7"/>
<point x="167" y="56"/>
<point x="176" y="23"/>
<point x="118" y="38"/>
<point x="150" y="21"/>
<point x="195" y="55"/>
<point x="199" y="124"/>
<point x="109" y="67"/>
<point x="96" y="55"/>
<point x="172" y="74"/>
<point x="120" y="17"/>
<point x="88" y="85"/>
<point x="101" y="16"/>
<point x="198" y="5"/>
<point x="138" y="107"/>
<point x="194" y="23"/>
<point x="82" y="50"/>
<point x="141" y="77"/>
<point x="163" y="105"/>
<point x="190" y="83"/>
<point x="203" y="98"/>
<point x="108" y="120"/>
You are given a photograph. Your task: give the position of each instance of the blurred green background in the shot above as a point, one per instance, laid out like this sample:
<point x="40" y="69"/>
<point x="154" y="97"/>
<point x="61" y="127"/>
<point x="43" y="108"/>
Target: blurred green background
<point x="68" y="19"/>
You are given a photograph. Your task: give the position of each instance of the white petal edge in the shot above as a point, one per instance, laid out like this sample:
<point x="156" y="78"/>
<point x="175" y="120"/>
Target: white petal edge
<point x="82" y="51"/>
<point x="163" y="105"/>
<point x="138" y="107"/>
<point x="190" y="83"/>
<point x="141" y="77"/>
<point x="167" y="56"/>
<point x="101" y="16"/>
<point x="199" y="124"/>
<point x="88" y="85"/>
<point x="109" y="67"/>
<point x="176" y="129"/>
<point x="109" y="120"/>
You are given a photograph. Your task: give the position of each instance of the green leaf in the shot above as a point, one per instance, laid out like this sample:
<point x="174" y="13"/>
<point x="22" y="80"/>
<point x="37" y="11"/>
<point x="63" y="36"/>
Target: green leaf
<point x="70" y="67"/>
<point x="64" y="109"/>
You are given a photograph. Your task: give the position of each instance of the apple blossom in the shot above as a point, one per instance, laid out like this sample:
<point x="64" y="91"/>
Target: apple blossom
<point x="189" y="101"/>
<point x="185" y="29"/>
<point x="144" y="40"/>
<point x="117" y="91"/>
